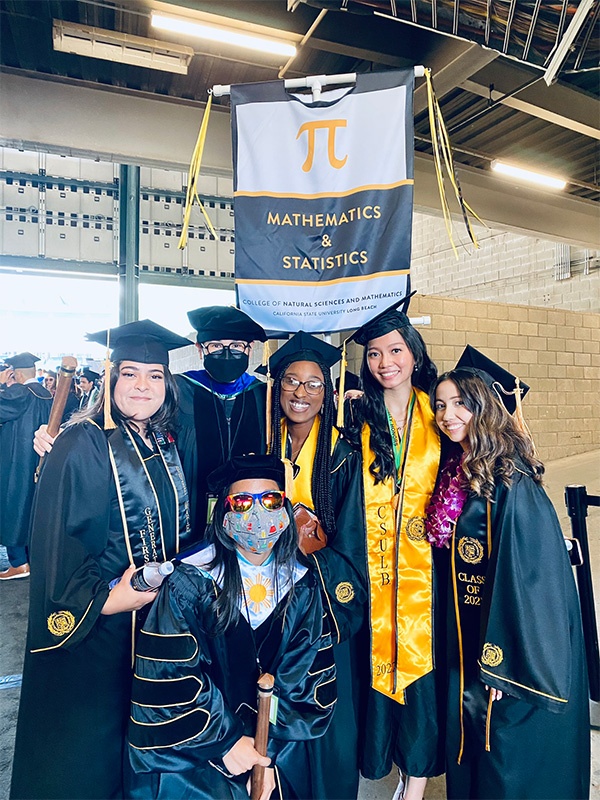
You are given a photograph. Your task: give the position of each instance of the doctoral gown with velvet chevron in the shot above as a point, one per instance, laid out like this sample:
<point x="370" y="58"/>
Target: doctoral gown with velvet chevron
<point x="194" y="693"/>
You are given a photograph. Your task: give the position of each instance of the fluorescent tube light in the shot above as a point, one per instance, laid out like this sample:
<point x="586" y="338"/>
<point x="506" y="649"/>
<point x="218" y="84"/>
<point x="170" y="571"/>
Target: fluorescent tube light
<point x="222" y="34"/>
<point x="527" y="175"/>
<point x="123" y="48"/>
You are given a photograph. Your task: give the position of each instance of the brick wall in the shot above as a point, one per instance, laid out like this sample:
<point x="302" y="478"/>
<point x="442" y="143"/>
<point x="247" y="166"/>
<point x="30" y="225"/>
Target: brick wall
<point x="555" y="351"/>
<point x="508" y="268"/>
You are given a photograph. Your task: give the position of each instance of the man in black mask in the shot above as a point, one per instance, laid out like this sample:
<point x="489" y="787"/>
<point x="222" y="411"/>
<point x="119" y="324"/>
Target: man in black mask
<point x="222" y="407"/>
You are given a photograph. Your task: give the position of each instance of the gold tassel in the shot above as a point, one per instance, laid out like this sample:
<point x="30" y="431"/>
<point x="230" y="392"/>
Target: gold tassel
<point x="109" y="423"/>
<point x="192" y="189"/>
<point x="442" y="156"/>
<point x="520" y="417"/>
<point x="268" y="412"/>
<point x="342" y="387"/>
<point x="289" y="477"/>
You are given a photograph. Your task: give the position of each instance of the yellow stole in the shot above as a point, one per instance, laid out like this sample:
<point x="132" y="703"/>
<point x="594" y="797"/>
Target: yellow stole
<point x="399" y="558"/>
<point x="302" y="487"/>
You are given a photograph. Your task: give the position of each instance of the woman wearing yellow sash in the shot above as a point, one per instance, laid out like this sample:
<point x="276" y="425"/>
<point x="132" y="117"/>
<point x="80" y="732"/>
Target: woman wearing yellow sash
<point x="401" y="452"/>
<point x="327" y="499"/>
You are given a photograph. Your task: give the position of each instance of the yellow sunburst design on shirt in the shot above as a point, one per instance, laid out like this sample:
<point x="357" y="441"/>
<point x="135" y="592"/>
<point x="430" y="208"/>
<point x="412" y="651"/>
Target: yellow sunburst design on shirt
<point x="259" y="592"/>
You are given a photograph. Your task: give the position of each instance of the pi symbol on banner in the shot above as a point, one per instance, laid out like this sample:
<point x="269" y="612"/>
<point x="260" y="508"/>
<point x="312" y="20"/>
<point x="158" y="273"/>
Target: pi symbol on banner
<point x="330" y="125"/>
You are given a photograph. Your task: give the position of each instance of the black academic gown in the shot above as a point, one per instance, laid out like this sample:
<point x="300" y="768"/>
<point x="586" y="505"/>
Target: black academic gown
<point x="194" y="694"/>
<point x="520" y="631"/>
<point x="207" y="436"/>
<point x="23" y="408"/>
<point x="340" y="567"/>
<point x="77" y="674"/>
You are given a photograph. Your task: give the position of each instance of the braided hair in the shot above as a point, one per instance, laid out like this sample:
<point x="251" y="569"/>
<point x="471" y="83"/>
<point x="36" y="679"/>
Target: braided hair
<point x="321" y="473"/>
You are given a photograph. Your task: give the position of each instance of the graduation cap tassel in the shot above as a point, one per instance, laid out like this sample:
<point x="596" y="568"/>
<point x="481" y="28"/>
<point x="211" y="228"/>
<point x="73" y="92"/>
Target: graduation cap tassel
<point x="192" y="189"/>
<point x="519" y="417"/>
<point x="342" y="388"/>
<point x="289" y="477"/>
<point x="109" y="423"/>
<point x="268" y="417"/>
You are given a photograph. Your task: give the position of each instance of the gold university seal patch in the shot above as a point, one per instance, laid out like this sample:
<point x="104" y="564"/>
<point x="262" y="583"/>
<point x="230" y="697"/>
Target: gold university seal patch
<point x="344" y="592"/>
<point x="415" y="529"/>
<point x="492" y="655"/>
<point x="470" y="550"/>
<point x="61" y="622"/>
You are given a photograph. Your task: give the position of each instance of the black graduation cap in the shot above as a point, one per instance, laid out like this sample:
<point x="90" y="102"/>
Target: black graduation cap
<point x="502" y="383"/>
<point x="352" y="382"/>
<point x="393" y="318"/>
<point x="247" y="467"/>
<point x="225" y="322"/>
<point x="22" y="361"/>
<point x="143" y="341"/>
<point x="90" y="374"/>
<point x="302" y="347"/>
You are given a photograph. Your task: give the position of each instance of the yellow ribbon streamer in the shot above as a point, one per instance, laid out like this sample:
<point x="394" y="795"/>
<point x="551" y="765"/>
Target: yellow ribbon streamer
<point x="192" y="189"/>
<point x="442" y="157"/>
<point x="399" y="559"/>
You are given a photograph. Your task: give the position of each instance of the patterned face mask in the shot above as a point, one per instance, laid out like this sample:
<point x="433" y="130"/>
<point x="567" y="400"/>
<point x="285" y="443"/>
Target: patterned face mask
<point x="256" y="530"/>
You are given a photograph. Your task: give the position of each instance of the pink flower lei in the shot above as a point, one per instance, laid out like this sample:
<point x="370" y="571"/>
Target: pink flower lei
<point x="446" y="503"/>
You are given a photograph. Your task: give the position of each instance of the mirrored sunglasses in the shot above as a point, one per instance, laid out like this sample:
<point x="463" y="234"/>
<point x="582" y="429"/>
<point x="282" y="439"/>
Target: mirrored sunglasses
<point x="241" y="502"/>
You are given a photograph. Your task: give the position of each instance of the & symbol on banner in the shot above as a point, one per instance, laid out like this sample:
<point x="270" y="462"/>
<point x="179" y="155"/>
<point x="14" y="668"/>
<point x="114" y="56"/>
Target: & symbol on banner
<point x="330" y="125"/>
<point x="326" y="241"/>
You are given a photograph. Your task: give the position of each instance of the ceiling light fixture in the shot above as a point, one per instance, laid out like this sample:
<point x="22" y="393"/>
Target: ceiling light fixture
<point x="527" y="175"/>
<point x="223" y="34"/>
<point x="123" y="48"/>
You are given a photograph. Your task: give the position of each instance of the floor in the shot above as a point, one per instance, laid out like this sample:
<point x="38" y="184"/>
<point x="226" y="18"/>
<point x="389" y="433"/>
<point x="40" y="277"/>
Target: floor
<point x="582" y="469"/>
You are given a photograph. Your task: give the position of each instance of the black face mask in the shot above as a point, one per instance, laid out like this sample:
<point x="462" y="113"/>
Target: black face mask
<point x="226" y="367"/>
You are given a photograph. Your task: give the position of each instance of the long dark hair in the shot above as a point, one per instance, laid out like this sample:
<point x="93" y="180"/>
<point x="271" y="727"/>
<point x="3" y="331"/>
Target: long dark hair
<point x="163" y="420"/>
<point x="371" y="408"/>
<point x="495" y="440"/>
<point x="321" y="474"/>
<point x="225" y="604"/>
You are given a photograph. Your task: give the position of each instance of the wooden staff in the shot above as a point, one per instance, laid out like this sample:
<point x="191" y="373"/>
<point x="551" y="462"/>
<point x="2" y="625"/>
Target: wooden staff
<point x="66" y="372"/>
<point x="265" y="686"/>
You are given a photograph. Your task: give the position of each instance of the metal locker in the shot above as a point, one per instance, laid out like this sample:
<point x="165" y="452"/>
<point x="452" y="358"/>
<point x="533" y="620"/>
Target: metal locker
<point x="64" y="199"/>
<point x="63" y="241"/>
<point x="20" y="194"/>
<point x="96" y="244"/>
<point x="164" y="251"/>
<point x="100" y="171"/>
<point x="164" y="179"/>
<point x="97" y="202"/>
<point x="207" y="185"/>
<point x="225" y="257"/>
<point x="62" y="166"/>
<point x="18" y="238"/>
<point x="224" y="215"/>
<point x="145" y="247"/>
<point x="225" y="187"/>
<point x="20" y="161"/>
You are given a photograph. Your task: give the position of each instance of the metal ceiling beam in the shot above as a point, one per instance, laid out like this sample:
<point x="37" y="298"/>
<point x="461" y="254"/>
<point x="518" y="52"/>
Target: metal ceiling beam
<point x="92" y="122"/>
<point x="506" y="204"/>
<point x="452" y="63"/>
<point x="557" y="104"/>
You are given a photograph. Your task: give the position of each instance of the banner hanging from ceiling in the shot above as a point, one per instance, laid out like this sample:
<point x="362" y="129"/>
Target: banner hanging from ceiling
<point x="323" y="199"/>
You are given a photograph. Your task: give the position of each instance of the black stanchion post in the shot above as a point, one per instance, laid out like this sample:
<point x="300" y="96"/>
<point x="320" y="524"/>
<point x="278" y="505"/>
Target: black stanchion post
<point x="576" y="499"/>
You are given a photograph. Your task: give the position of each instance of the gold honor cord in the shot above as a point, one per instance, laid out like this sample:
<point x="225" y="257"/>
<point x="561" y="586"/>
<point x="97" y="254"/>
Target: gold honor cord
<point x="192" y="189"/>
<point x="442" y="156"/>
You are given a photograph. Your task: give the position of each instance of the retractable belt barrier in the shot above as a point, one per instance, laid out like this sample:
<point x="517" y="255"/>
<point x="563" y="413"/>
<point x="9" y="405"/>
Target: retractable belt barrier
<point x="577" y="501"/>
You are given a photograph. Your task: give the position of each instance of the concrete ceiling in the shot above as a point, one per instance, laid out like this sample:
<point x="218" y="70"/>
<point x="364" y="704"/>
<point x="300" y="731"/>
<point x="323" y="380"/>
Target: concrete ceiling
<point x="495" y="106"/>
